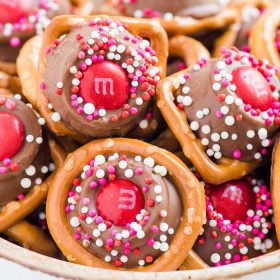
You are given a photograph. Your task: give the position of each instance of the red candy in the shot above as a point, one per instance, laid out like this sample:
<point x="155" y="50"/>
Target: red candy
<point x="11" y="135"/>
<point x="252" y="87"/>
<point x="233" y="199"/>
<point x="120" y="201"/>
<point x="12" y="11"/>
<point x="106" y="85"/>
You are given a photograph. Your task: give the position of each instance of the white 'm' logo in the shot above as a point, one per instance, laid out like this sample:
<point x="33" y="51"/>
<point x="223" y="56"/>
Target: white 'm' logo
<point x="258" y="85"/>
<point x="104" y="82"/>
<point x="127" y="202"/>
<point x="233" y="194"/>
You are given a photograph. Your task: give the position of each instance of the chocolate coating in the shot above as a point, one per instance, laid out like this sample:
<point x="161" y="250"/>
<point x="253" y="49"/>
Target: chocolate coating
<point x="140" y="242"/>
<point x="32" y="160"/>
<point x="13" y="36"/>
<point x="184" y="8"/>
<point x="65" y="58"/>
<point x="226" y="126"/>
<point x="225" y="241"/>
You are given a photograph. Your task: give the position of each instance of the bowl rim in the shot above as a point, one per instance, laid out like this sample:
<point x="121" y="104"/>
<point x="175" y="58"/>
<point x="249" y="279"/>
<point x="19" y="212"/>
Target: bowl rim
<point x="59" y="268"/>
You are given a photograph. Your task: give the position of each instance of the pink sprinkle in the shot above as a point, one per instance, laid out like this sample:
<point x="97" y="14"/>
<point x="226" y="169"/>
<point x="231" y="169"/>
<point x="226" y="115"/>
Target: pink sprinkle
<point x="236" y="153"/>
<point x="42" y="86"/>
<point x="139" y="171"/>
<point x="77" y="236"/>
<point x="102" y="181"/>
<point x="93" y="185"/>
<point x="86" y="200"/>
<point x="15" y="42"/>
<point x="111" y="169"/>
<point x="99" y="220"/>
<point x="10" y="104"/>
<point x="154" y="229"/>
<point x="67" y="209"/>
<point x="92" y="213"/>
<point x="6" y="161"/>
<point x="21" y="196"/>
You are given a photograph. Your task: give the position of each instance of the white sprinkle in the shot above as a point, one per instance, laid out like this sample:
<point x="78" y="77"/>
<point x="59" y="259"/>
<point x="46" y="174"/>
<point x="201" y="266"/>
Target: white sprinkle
<point x="229" y="120"/>
<point x="215" y="258"/>
<point x="29" y="138"/>
<point x="221" y="65"/>
<point x="125" y="234"/>
<point x="187" y="100"/>
<point x="204" y="141"/>
<point x="216" y="86"/>
<point x="41" y="121"/>
<point x="185" y="89"/>
<point x="234" y="136"/>
<point x="224" y="135"/>
<point x="102" y="227"/>
<point x="224" y="110"/>
<point x="74" y="222"/>
<point x="215" y="137"/>
<point x="122" y="164"/>
<point x="199" y="114"/>
<point x="108" y="259"/>
<point x="25" y="183"/>
<point x="249" y="147"/>
<point x="89" y="108"/>
<point x="138" y="159"/>
<point x="144" y="124"/>
<point x="262" y="133"/>
<point x="163" y="227"/>
<point x="99" y="242"/>
<point x="96" y="233"/>
<point x="99" y="159"/>
<point x="100" y="173"/>
<point x="44" y="169"/>
<point x="157" y="189"/>
<point x="140" y="234"/>
<point x="194" y="125"/>
<point x="30" y="171"/>
<point x="149" y="162"/>
<point x="164" y="247"/>
<point x="206" y="129"/>
<point x="229" y="99"/>
<point x="141" y="262"/>
<point x="56" y="117"/>
<point x="257" y="156"/>
<point x="250" y="134"/>
<point x="102" y="112"/>
<point x="128" y="173"/>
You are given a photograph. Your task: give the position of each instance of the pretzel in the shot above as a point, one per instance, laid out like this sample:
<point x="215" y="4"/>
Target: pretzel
<point x="177" y="24"/>
<point x="9" y="82"/>
<point x="63" y="226"/>
<point x="17" y="26"/>
<point x="62" y="25"/>
<point x="262" y="40"/>
<point x="15" y="211"/>
<point x="92" y="7"/>
<point x="32" y="238"/>
<point x="275" y="183"/>
<point x="237" y="204"/>
<point x="235" y="32"/>
<point x="225" y="168"/>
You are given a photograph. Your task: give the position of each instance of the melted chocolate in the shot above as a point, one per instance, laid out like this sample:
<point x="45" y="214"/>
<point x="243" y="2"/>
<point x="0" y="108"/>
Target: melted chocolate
<point x="30" y="164"/>
<point x="80" y="107"/>
<point x="153" y="8"/>
<point x="147" y="235"/>
<point x="227" y="126"/>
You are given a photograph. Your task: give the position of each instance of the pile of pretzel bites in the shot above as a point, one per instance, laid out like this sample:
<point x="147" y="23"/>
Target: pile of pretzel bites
<point x="140" y="135"/>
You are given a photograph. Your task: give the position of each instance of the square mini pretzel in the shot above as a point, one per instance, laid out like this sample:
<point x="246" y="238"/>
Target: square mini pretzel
<point x="223" y="169"/>
<point x="118" y="115"/>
